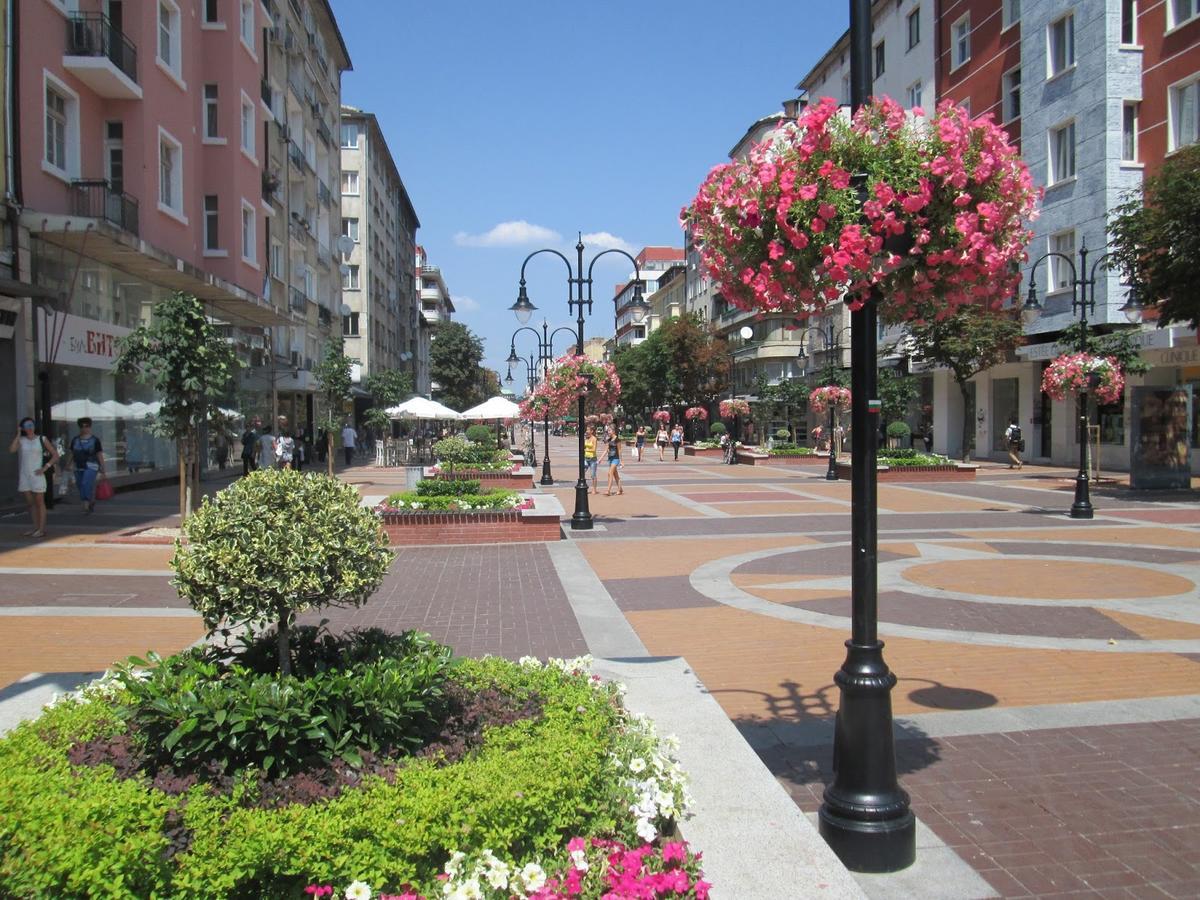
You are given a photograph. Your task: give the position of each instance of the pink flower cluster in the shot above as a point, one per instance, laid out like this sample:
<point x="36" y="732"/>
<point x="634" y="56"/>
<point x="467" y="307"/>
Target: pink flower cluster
<point x="731" y="408"/>
<point x="1071" y="373"/>
<point x="608" y="869"/>
<point x="558" y="393"/>
<point x="662" y="416"/>
<point x="940" y="220"/>
<point x="696" y="412"/>
<point x="822" y="398"/>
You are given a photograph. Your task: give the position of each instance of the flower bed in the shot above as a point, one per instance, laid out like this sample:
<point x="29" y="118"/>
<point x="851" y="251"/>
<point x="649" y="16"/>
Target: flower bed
<point x="689" y="450"/>
<point x="533" y="518"/>
<point x="801" y="457"/>
<point x="898" y="470"/>
<point x="527" y="758"/>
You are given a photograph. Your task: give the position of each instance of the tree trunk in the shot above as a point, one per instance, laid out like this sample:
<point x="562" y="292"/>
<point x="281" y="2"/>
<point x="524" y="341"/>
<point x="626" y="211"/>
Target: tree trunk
<point x="282" y="634"/>
<point x="181" y="452"/>
<point x="329" y="449"/>
<point x="968" y="435"/>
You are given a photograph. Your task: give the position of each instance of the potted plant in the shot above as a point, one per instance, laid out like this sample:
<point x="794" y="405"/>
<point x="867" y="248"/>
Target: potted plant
<point x="897" y="433"/>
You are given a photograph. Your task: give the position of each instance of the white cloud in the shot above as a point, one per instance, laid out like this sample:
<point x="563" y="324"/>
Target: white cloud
<point x="465" y="304"/>
<point x="509" y="234"/>
<point x="604" y="240"/>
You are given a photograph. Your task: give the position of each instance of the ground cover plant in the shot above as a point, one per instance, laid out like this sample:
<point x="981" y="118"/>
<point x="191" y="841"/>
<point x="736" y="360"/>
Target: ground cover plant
<point x="902" y="457"/>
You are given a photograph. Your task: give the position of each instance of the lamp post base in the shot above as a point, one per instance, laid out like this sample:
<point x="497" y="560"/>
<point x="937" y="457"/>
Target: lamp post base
<point x="582" y="519"/>
<point x="865" y="817"/>
<point x="547" y="478"/>
<point x="1082" y="507"/>
<point x="831" y="472"/>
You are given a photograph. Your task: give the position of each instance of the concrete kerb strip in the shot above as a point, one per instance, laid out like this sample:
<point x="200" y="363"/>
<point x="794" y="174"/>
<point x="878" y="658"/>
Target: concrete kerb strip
<point x="756" y="842"/>
<point x="605" y="629"/>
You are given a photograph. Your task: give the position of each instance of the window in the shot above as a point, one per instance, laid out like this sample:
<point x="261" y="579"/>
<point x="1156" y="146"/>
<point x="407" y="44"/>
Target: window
<point x="212" y="128"/>
<point x="350" y="325"/>
<point x="1184" y="113"/>
<point x="114" y="156"/>
<point x="249" y="244"/>
<point x="1128" y="22"/>
<point x="1012" y="12"/>
<point x="56" y="129"/>
<point x="914" y="94"/>
<point x="170" y="175"/>
<point x="1111" y="417"/>
<point x="212" y="12"/>
<point x="168" y="36"/>
<point x="1012" y="94"/>
<point x="350" y="228"/>
<point x="960" y="40"/>
<point x="350" y="136"/>
<point x="350" y="279"/>
<point x="1060" y="271"/>
<point x="879" y="59"/>
<point x="350" y="184"/>
<point x="212" y="234"/>
<point x="1180" y="11"/>
<point x="247" y="23"/>
<point x="249" y="125"/>
<point x="914" y="28"/>
<point x="276" y="260"/>
<point x="1062" y="44"/>
<point x="1062" y="153"/>
<point x="1129" y="124"/>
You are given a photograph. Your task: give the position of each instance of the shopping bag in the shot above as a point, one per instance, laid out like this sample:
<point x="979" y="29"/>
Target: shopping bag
<point x="104" y="489"/>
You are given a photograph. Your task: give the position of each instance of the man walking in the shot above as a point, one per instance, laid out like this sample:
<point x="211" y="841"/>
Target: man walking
<point x="1012" y="434"/>
<point x="266" y="449"/>
<point x="349" y="442"/>
<point x="249" y="449"/>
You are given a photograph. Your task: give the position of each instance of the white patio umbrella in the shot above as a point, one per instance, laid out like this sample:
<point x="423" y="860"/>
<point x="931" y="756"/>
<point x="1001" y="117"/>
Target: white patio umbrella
<point x="421" y="408"/>
<point x="99" y="411"/>
<point x="496" y="408"/>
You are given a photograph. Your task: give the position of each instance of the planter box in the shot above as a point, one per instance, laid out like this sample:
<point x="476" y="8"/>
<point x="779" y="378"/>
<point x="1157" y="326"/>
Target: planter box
<point x="540" y="523"/>
<point x="949" y="472"/>
<point x="518" y="480"/>
<point x="762" y="459"/>
<point x="715" y="452"/>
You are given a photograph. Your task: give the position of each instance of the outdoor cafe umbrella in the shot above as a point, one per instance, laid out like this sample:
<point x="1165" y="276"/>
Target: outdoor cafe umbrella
<point x="496" y="408"/>
<point x="421" y="408"/>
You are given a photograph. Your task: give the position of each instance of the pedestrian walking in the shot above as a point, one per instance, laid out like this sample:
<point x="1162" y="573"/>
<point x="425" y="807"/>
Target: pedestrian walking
<point x="1012" y="434"/>
<point x="266" y="449"/>
<point x="590" y="462"/>
<point x="614" y="461"/>
<point x="285" y="450"/>
<point x="35" y="456"/>
<point x="349" y="442"/>
<point x="640" y="442"/>
<point x="88" y="455"/>
<point x="660" y="440"/>
<point x="249" y="449"/>
<point x="676" y="440"/>
<point x="298" y="450"/>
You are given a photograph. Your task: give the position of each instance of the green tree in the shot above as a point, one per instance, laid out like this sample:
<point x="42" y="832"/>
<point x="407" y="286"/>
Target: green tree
<point x="1156" y="238"/>
<point x="454" y="365"/>
<point x="971" y="340"/>
<point x="792" y="395"/>
<point x="697" y="362"/>
<point x="642" y="369"/>
<point x="190" y="365"/>
<point x="333" y="378"/>
<point x="897" y="392"/>
<point x="387" y="388"/>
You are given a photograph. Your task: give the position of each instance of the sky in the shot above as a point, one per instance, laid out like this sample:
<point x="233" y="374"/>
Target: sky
<point x="517" y="124"/>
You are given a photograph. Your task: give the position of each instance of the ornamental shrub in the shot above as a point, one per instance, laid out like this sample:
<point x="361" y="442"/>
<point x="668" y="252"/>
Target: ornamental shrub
<point x="412" y="501"/>
<point x="792" y="450"/>
<point x="446" y="487"/>
<point x="898" y="429"/>
<point x="717" y="429"/>
<point x="782" y="434"/>
<point x="481" y="434"/>
<point x="275" y="543"/>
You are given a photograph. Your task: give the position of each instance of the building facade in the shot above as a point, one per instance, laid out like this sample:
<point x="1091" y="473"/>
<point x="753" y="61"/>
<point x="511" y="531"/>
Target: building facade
<point x="379" y="312"/>
<point x="652" y="263"/>
<point x="436" y="306"/>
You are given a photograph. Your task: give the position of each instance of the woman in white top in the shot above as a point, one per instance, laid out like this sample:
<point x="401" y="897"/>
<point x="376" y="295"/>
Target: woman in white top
<point x="32" y="447"/>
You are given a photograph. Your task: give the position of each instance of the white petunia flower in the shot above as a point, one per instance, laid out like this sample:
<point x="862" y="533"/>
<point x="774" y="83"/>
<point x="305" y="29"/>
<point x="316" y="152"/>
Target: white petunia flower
<point x="454" y="863"/>
<point x="358" y="890"/>
<point x="468" y="890"/>
<point x="637" y="765"/>
<point x="529" y="662"/>
<point x="533" y="877"/>
<point x="579" y="860"/>
<point x="646" y="830"/>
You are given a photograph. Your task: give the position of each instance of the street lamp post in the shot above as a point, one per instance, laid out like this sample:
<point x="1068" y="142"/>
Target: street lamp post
<point x="831" y="343"/>
<point x="746" y="333"/>
<point x="581" y="519"/>
<point x="531" y="381"/>
<point x="865" y="816"/>
<point x="1083" y="301"/>
<point x="546" y="355"/>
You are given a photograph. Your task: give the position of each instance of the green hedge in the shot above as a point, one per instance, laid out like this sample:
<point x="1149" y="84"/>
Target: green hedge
<point x="447" y="487"/>
<point x="79" y="831"/>
<point x="900" y="458"/>
<point x="791" y="450"/>
<point x="413" y="501"/>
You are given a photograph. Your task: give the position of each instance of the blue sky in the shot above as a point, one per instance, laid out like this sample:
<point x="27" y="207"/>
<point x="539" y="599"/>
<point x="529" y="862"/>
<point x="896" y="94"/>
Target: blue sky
<point x="565" y="116"/>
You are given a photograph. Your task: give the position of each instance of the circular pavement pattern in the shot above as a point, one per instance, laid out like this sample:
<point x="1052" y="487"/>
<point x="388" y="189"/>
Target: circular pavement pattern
<point x="1041" y="579"/>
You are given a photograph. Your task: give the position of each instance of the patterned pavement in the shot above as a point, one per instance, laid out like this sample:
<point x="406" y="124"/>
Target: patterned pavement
<point x="1049" y="669"/>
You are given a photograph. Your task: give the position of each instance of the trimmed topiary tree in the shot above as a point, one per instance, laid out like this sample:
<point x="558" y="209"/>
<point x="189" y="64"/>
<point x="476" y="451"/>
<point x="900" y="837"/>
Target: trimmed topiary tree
<point x="274" y="544"/>
<point x="717" y="429"/>
<point x="481" y="434"/>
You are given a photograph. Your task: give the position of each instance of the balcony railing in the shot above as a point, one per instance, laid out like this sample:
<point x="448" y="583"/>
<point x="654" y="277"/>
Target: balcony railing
<point x="95" y="199"/>
<point x="296" y="299"/>
<point x="324" y="133"/>
<point x="296" y="155"/>
<point x="268" y="95"/>
<point x="92" y="34"/>
<point x="324" y="194"/>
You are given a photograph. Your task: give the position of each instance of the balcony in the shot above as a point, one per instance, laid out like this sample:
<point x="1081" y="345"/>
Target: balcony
<point x="100" y="56"/>
<point x="324" y="194"/>
<point x="95" y="199"/>
<point x="267" y="94"/>
<point x="296" y="155"/>
<point x="297" y="300"/>
<point x="324" y="133"/>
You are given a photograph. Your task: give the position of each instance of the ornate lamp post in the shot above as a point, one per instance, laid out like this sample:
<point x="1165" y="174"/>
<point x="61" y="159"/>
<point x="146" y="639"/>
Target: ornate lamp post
<point x="865" y="816"/>
<point x="746" y="333"/>
<point x="831" y="342"/>
<point x="546" y="355"/>
<point x="581" y="519"/>
<point x="1083" y="301"/>
<point x="531" y="381"/>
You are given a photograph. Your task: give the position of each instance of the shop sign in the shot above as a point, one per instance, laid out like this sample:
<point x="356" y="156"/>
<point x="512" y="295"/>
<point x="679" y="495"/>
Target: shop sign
<point x="81" y="342"/>
<point x="1175" y="356"/>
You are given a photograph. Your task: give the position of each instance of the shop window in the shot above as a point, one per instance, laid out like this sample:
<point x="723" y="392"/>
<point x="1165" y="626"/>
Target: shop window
<point x="1112" y="422"/>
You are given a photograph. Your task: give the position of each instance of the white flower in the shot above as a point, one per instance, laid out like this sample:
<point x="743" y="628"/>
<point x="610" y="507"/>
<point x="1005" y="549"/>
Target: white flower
<point x="468" y="890"/>
<point x="579" y="860"/>
<point x="646" y="830"/>
<point x="637" y="765"/>
<point x="358" y="890"/>
<point x="533" y="877"/>
<point x="454" y="863"/>
<point x="529" y="662"/>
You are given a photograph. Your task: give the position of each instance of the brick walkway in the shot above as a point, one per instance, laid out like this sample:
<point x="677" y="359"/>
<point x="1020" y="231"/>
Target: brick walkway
<point x="993" y="604"/>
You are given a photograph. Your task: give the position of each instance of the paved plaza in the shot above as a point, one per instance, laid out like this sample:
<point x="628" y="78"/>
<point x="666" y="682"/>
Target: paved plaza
<point x="1048" y="704"/>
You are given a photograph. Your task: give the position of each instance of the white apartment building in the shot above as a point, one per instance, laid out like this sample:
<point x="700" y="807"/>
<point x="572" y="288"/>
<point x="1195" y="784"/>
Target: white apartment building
<point x="653" y="263"/>
<point x="436" y="306"/>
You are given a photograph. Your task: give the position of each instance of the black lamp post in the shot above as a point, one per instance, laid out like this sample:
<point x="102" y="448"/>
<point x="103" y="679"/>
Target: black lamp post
<point x="546" y="355"/>
<point x="581" y="520"/>
<point x="831" y="342"/>
<point x="1083" y="300"/>
<point x="865" y="816"/>
<point x="531" y="380"/>
<point x="746" y="333"/>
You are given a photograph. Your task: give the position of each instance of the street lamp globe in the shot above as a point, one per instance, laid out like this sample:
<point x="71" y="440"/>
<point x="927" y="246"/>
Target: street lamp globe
<point x="523" y="309"/>
<point x="746" y="332"/>
<point x="1134" y="305"/>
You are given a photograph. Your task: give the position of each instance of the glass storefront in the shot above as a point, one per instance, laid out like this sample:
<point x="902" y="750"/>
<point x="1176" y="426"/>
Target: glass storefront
<point x="1005" y="408"/>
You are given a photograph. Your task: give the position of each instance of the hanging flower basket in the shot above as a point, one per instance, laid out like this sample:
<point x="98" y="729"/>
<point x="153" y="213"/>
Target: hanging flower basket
<point x="822" y="398"/>
<point x="731" y="408"/>
<point x="696" y="412"/>
<point x="568" y="379"/>
<point x="1071" y="373"/>
<point x="662" y="416"/>
<point x="786" y="231"/>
